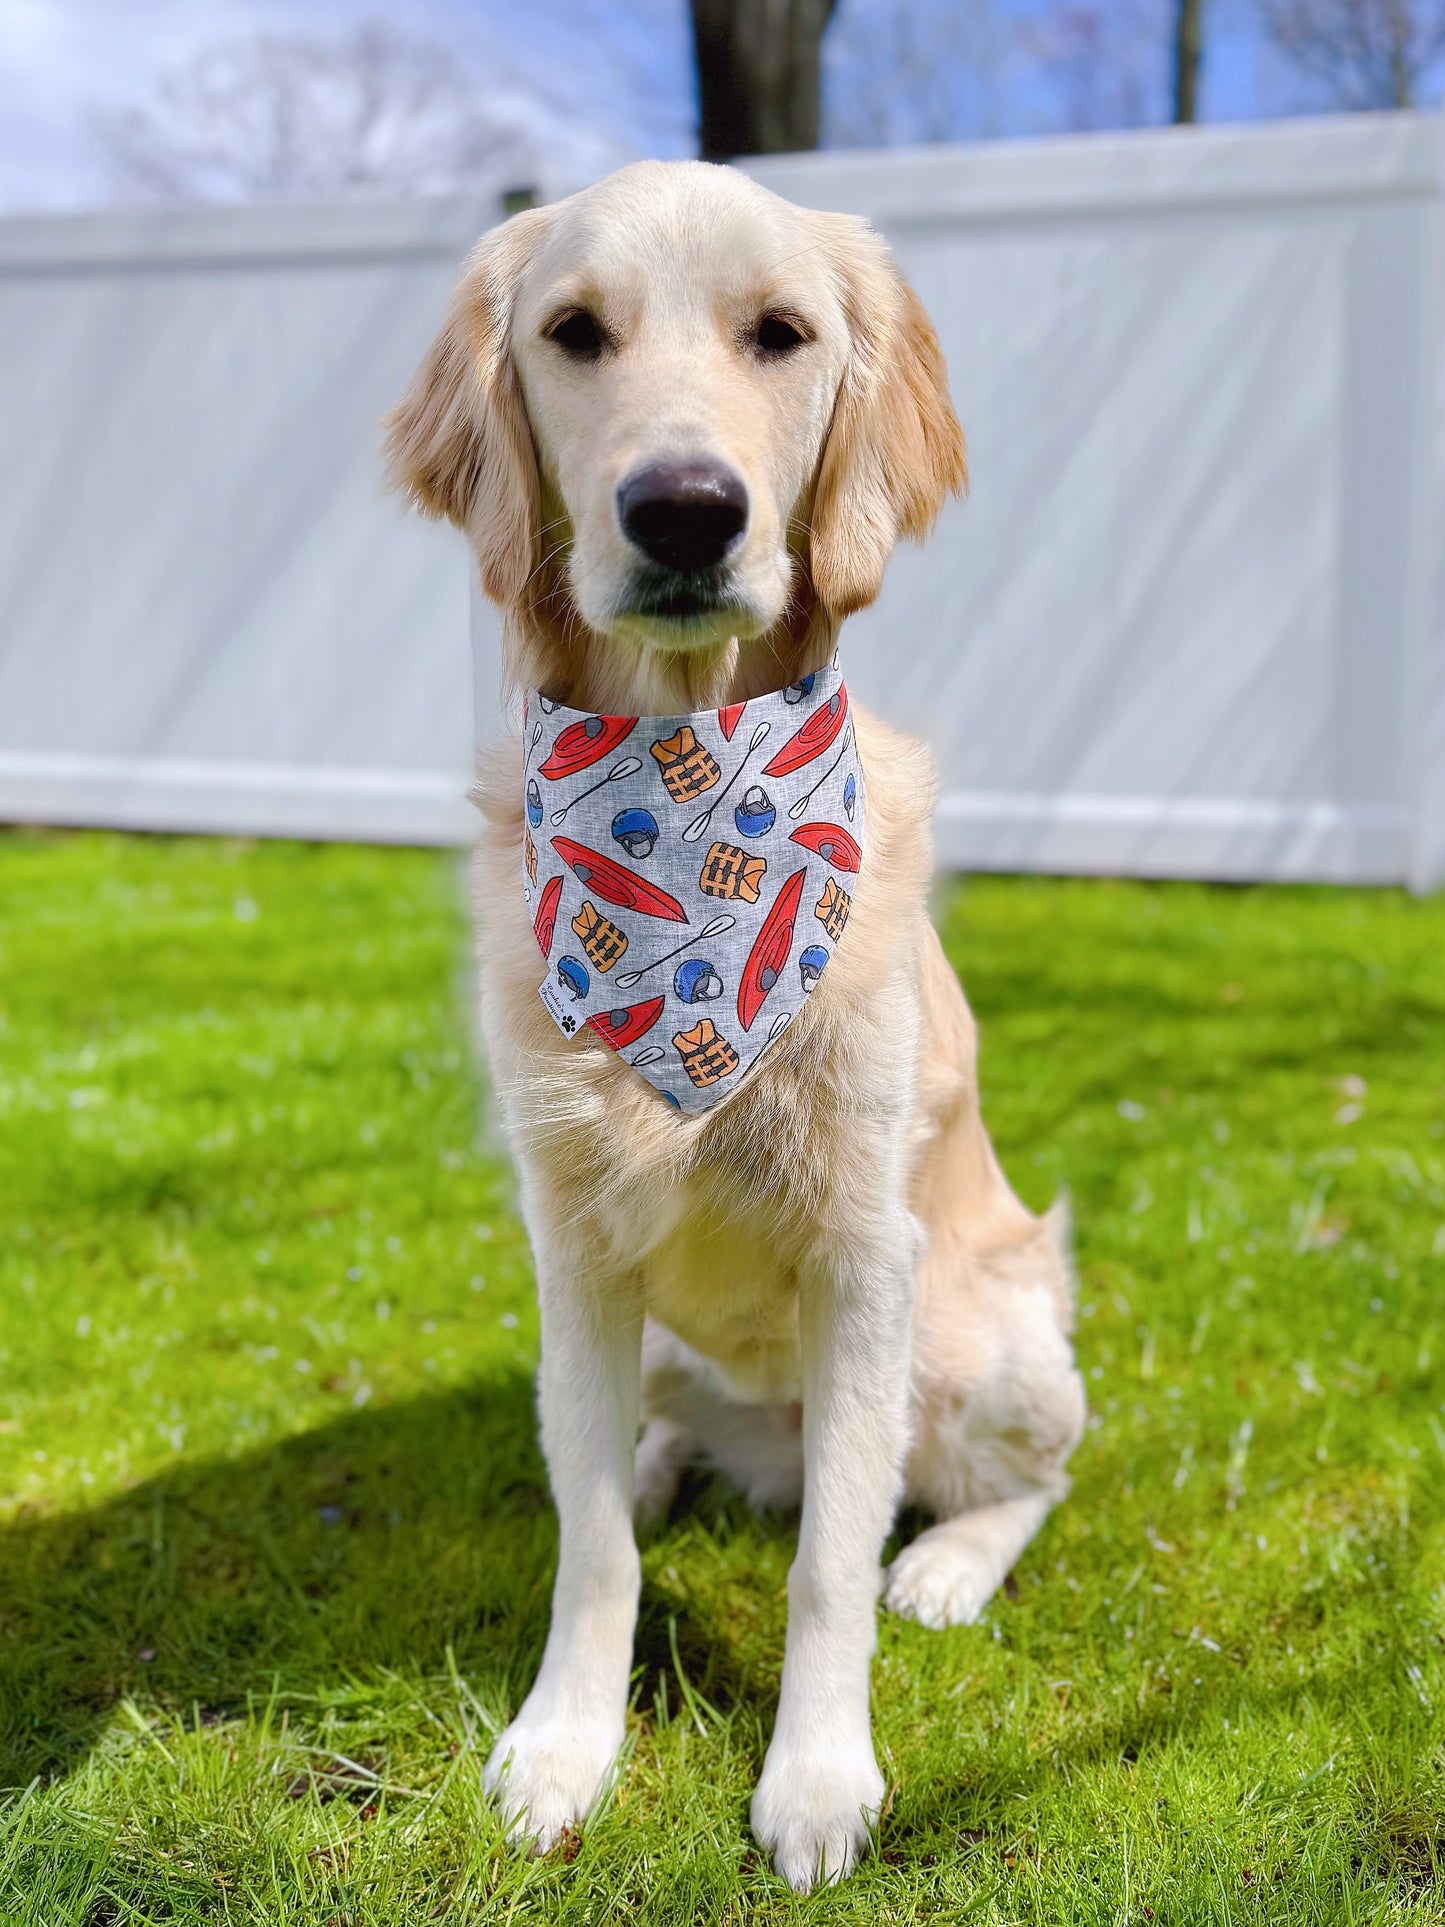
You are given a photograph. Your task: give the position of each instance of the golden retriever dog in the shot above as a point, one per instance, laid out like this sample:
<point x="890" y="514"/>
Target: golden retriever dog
<point x="823" y="1285"/>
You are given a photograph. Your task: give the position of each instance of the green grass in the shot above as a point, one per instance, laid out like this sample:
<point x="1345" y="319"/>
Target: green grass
<point x="275" y="1546"/>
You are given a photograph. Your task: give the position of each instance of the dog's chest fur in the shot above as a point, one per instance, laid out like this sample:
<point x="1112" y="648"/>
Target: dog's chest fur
<point x="714" y="1220"/>
<point x="724" y="1289"/>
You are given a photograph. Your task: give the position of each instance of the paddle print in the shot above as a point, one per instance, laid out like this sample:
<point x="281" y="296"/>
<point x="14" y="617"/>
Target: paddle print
<point x="713" y="929"/>
<point x="803" y="801"/>
<point x="618" y="773"/>
<point x="775" y="1030"/>
<point x="698" y="825"/>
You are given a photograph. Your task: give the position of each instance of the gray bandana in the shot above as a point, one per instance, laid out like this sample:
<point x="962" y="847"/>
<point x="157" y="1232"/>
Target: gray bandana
<point x="688" y="877"/>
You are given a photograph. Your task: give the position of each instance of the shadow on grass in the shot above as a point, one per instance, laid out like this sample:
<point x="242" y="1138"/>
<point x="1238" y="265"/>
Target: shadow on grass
<point x="375" y="1542"/>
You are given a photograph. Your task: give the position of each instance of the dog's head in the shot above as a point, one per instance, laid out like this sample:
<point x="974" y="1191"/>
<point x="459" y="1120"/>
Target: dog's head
<point x="680" y="405"/>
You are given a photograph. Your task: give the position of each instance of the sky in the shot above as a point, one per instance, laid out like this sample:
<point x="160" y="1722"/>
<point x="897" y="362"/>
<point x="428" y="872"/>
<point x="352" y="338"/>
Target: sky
<point x="610" y="80"/>
<point x="60" y="60"/>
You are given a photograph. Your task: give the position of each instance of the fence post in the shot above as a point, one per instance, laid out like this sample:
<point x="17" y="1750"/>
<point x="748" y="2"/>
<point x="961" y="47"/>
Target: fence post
<point x="1425" y="726"/>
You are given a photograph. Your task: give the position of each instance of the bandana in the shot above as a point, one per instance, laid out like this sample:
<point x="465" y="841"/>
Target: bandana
<point x="688" y="877"/>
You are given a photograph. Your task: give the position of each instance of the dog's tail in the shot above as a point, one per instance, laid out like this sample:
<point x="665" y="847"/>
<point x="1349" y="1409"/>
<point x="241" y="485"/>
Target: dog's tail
<point x="1056" y="1250"/>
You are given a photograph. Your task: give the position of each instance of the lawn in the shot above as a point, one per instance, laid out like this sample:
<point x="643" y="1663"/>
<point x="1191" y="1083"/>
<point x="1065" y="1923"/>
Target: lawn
<point x="275" y="1545"/>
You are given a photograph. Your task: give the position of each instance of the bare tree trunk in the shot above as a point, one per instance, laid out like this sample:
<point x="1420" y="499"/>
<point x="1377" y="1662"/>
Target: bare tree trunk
<point x="1187" y="45"/>
<point x="757" y="74"/>
<point x="1401" y="90"/>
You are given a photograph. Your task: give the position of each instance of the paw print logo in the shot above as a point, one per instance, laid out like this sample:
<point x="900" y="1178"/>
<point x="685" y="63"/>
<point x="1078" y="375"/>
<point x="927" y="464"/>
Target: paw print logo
<point x="569" y="1024"/>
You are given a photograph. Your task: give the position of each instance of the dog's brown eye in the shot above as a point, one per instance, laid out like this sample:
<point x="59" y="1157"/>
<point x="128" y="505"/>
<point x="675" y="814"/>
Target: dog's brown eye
<point x="776" y="335"/>
<point x="577" y="334"/>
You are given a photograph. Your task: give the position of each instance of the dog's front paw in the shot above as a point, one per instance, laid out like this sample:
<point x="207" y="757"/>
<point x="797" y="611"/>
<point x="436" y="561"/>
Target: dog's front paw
<point x="940" y="1583"/>
<point x="545" y="1776"/>
<point x="814" y="1813"/>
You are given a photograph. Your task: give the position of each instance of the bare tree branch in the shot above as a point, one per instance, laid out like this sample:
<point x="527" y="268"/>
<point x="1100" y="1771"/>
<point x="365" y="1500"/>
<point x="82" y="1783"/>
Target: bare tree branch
<point x="301" y="116"/>
<point x="1360" y="54"/>
<point x="912" y="71"/>
<point x="933" y="70"/>
<point x="1103" y="58"/>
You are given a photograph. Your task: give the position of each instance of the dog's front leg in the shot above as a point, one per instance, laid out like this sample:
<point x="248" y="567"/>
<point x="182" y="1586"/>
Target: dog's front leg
<point x="820" y="1789"/>
<point x="549" y="1765"/>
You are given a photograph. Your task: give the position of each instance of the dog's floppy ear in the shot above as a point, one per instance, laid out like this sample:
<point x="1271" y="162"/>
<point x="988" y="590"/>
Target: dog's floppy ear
<point x="895" y="451"/>
<point x="458" y="442"/>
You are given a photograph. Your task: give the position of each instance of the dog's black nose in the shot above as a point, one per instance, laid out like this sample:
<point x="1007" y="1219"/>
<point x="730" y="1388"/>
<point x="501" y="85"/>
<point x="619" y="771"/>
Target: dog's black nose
<point x="683" y="515"/>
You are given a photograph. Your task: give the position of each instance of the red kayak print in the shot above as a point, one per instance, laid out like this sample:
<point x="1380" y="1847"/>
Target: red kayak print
<point x="580" y="745"/>
<point x="619" y="1028"/>
<point x="546" y="919"/>
<point x="613" y="884"/>
<point x="831" y="842"/>
<point x="813" y="738"/>
<point x="727" y="718"/>
<point x="770" y="950"/>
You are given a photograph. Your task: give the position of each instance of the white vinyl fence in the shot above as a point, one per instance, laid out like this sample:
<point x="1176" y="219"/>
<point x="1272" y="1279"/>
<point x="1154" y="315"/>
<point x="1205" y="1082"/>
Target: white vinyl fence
<point x="212" y="614"/>
<point x="1191" y="622"/>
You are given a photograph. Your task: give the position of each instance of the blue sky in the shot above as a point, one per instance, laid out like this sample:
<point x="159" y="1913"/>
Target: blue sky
<point x="614" y="76"/>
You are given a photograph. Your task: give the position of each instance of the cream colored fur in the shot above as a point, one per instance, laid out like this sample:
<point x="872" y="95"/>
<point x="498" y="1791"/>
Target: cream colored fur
<point x="824" y="1285"/>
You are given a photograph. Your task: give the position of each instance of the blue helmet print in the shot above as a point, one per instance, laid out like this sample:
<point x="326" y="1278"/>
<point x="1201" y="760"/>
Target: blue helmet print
<point x="636" y="831"/>
<point x="534" y="804"/>
<point x="697" y="982"/>
<point x="574" y="977"/>
<point x="797" y="692"/>
<point x="810" y="964"/>
<point x="850" y="795"/>
<point x="755" y="814"/>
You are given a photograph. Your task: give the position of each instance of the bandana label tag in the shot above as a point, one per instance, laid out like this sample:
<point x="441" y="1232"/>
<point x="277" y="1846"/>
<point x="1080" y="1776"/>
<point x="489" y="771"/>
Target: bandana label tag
<point x="556" y="1007"/>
